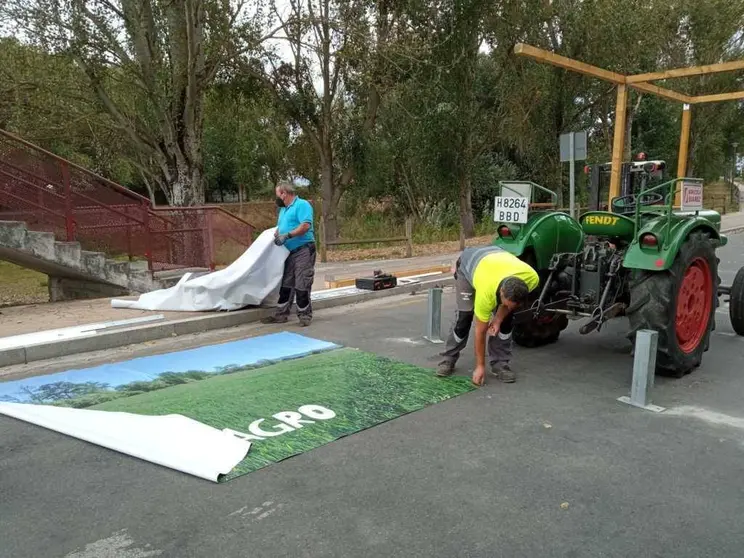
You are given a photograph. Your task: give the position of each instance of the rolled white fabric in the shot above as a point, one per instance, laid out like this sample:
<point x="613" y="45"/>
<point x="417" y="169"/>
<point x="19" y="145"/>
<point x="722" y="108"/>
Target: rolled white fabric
<point x="174" y="441"/>
<point x="248" y="281"/>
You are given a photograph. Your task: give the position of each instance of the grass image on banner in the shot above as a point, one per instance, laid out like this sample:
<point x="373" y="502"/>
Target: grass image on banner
<point x="362" y="389"/>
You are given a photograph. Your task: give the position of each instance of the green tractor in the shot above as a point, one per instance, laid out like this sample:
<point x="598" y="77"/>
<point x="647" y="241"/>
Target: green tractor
<point x="638" y="258"/>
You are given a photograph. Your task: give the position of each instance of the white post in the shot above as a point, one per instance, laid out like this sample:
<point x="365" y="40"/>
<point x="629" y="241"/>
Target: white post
<point x="644" y="371"/>
<point x="571" y="178"/>
<point x="434" y="316"/>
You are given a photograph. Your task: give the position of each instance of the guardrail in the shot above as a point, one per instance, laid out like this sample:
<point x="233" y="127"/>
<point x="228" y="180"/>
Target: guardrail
<point x="52" y="194"/>
<point x="324" y="244"/>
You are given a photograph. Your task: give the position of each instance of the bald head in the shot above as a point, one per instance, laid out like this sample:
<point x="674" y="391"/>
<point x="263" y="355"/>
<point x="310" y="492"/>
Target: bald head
<point x="285" y="193"/>
<point x="286" y="188"/>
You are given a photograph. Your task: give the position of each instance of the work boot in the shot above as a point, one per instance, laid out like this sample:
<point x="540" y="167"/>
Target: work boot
<point x="274" y="320"/>
<point x="445" y="368"/>
<point x="305" y="321"/>
<point x="504" y="373"/>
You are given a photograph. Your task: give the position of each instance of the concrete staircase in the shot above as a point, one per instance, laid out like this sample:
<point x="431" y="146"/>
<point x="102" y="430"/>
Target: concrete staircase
<point x="75" y="273"/>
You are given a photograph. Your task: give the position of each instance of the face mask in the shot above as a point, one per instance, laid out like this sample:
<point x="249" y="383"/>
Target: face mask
<point x="279" y="202"/>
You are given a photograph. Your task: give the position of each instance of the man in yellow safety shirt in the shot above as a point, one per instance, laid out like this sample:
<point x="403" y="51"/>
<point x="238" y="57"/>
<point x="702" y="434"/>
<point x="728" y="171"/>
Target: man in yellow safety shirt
<point x="490" y="284"/>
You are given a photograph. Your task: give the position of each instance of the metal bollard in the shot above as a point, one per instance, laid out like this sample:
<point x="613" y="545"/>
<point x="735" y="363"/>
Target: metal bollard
<point x="644" y="371"/>
<point x="434" y="316"/>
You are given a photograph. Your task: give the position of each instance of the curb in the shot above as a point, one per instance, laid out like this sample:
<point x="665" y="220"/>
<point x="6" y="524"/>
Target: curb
<point x="733" y="230"/>
<point x="222" y="320"/>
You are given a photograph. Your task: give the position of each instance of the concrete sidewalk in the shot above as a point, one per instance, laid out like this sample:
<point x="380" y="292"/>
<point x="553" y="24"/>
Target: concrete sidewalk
<point x="732" y="222"/>
<point x="18" y="320"/>
<point x="177" y="323"/>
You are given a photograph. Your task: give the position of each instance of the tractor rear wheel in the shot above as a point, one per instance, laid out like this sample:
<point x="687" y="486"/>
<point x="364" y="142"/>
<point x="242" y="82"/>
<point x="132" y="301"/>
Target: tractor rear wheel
<point x="736" y="303"/>
<point x="544" y="330"/>
<point x="679" y="304"/>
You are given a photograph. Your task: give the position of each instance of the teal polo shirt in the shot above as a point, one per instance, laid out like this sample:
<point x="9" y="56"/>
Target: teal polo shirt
<point x="290" y="217"/>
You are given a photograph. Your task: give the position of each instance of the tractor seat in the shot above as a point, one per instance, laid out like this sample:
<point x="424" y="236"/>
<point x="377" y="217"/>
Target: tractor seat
<point x="620" y="205"/>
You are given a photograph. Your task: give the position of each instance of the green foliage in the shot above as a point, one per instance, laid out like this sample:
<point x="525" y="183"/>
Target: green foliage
<point x="246" y="141"/>
<point x="417" y="104"/>
<point x="59" y="392"/>
<point x="43" y="98"/>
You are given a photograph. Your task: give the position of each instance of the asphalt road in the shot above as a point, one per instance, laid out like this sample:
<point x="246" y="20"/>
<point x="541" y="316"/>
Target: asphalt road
<point x="552" y="466"/>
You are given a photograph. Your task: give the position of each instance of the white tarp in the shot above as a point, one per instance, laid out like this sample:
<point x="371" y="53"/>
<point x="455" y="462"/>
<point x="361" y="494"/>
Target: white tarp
<point x="173" y="441"/>
<point x="246" y="282"/>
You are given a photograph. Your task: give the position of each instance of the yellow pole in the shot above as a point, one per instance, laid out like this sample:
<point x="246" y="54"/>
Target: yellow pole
<point x="618" y="143"/>
<point x="684" y="145"/>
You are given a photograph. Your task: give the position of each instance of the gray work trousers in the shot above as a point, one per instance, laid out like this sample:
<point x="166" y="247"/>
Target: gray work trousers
<point x="297" y="282"/>
<point x="499" y="347"/>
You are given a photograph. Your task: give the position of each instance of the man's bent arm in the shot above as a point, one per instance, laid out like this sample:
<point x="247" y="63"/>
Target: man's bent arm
<point x="302" y="229"/>
<point x="481" y="329"/>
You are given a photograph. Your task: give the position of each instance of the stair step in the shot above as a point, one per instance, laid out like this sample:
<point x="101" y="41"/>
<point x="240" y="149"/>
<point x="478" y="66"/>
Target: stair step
<point x="13" y="234"/>
<point x="141" y="282"/>
<point x="40" y="244"/>
<point x="94" y="263"/>
<point x="116" y="272"/>
<point x="140" y="274"/>
<point x="138" y="265"/>
<point x="132" y="276"/>
<point x="68" y="253"/>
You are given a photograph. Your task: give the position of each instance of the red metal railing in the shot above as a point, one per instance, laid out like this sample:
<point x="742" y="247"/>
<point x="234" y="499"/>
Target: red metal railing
<point x="52" y="194"/>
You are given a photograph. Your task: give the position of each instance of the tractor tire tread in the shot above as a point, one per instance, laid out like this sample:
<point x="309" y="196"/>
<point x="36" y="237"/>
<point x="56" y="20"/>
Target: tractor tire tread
<point x="655" y="308"/>
<point x="736" y="303"/>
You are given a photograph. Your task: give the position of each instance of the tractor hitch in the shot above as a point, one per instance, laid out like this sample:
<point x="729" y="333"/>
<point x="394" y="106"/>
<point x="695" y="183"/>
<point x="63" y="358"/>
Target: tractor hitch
<point x="600" y="316"/>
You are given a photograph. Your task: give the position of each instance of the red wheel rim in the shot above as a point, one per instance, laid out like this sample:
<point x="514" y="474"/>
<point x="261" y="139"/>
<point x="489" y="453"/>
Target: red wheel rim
<point x="694" y="302"/>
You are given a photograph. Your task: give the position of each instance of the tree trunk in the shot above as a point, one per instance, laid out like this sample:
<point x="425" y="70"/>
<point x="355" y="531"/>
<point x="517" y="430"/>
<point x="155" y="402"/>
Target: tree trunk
<point x="329" y="199"/>
<point x="466" y="203"/>
<point x="186" y="184"/>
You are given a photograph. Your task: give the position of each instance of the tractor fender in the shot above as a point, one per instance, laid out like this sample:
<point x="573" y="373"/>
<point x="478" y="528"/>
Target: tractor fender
<point x="670" y="241"/>
<point x="544" y="234"/>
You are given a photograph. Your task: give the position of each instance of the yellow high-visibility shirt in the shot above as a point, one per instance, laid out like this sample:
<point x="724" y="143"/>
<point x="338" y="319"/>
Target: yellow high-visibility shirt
<point x="490" y="271"/>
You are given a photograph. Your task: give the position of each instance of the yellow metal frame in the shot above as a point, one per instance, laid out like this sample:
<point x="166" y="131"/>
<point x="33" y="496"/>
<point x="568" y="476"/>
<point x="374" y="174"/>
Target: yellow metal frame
<point x="641" y="82"/>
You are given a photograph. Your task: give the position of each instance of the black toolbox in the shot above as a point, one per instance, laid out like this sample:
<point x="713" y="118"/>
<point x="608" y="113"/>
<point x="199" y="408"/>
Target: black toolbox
<point x="377" y="282"/>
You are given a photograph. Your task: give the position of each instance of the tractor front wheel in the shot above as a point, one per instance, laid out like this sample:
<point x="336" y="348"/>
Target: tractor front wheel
<point x="679" y="304"/>
<point x="545" y="329"/>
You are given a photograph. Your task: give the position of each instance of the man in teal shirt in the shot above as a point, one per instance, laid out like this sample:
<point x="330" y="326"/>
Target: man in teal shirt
<point x="294" y="230"/>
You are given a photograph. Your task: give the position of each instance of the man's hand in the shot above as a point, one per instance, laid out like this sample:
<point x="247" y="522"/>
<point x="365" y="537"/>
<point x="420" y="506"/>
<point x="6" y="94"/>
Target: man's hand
<point x="493" y="327"/>
<point x="479" y="375"/>
<point x="276" y="233"/>
<point x="281" y="239"/>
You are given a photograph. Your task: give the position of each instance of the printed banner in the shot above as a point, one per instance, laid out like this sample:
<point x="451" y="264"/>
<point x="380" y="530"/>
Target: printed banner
<point x="278" y="410"/>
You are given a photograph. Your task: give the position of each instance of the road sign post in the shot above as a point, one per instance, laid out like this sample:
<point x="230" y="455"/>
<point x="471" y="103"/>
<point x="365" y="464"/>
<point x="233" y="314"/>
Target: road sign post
<point x="573" y="148"/>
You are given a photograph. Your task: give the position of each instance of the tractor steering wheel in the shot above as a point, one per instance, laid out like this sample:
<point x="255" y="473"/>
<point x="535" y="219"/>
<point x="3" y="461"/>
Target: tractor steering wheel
<point x="627" y="204"/>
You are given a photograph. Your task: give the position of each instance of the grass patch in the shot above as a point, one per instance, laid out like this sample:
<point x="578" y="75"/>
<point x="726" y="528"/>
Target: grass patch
<point x="363" y="390"/>
<point x="19" y="285"/>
